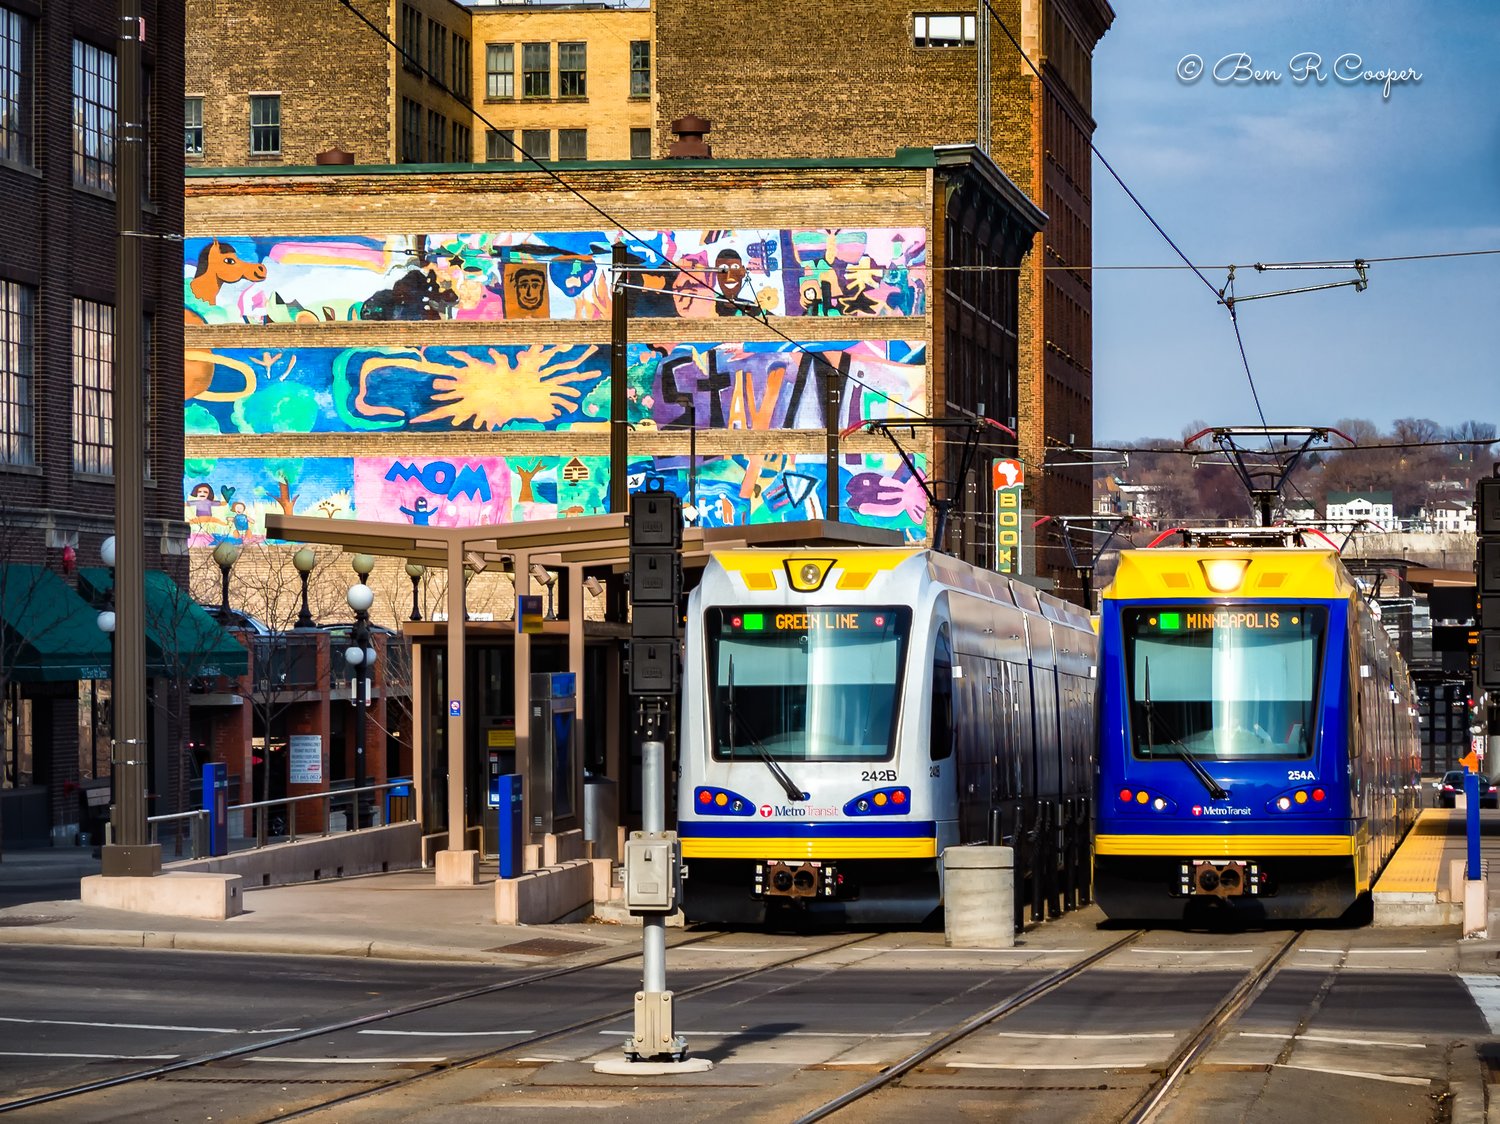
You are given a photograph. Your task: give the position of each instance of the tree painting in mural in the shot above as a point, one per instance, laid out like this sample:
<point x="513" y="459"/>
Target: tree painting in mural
<point x="285" y="473"/>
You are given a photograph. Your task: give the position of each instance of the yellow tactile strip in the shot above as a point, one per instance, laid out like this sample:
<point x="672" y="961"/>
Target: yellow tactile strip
<point x="1417" y="865"/>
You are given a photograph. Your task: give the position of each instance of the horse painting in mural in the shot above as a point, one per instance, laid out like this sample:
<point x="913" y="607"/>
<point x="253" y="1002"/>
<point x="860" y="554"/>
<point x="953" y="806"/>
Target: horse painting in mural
<point x="219" y="264"/>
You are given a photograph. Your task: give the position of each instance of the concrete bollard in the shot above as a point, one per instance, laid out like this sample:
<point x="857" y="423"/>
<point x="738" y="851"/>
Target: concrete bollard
<point x="979" y="887"/>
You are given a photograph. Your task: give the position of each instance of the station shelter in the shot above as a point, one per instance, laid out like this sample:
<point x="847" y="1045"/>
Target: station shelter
<point x="477" y="685"/>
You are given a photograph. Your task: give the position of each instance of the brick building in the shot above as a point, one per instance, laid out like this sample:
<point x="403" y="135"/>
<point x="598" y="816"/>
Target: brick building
<point x="567" y="82"/>
<point x="266" y="87"/>
<point x="58" y="90"/>
<point x="786" y="81"/>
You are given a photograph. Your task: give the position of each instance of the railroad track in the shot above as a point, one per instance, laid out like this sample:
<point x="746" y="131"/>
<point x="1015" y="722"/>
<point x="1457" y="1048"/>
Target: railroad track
<point x="1182" y="1062"/>
<point x="206" y="1061"/>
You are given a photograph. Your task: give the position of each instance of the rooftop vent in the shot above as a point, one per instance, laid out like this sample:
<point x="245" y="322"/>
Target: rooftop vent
<point x="690" y="144"/>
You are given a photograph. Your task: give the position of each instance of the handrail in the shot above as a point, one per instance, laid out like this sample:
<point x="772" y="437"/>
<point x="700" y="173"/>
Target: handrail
<point x="199" y="816"/>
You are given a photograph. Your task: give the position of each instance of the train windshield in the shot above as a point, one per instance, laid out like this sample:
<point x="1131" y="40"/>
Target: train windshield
<point x="817" y="684"/>
<point x="1227" y="683"/>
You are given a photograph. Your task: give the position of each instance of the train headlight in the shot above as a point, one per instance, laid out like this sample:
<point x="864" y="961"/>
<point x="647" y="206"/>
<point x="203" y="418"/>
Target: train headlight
<point x="887" y="801"/>
<point x="1283" y="802"/>
<point x="709" y="800"/>
<point x="1299" y="800"/>
<point x="1224" y="575"/>
<point x="808" y="574"/>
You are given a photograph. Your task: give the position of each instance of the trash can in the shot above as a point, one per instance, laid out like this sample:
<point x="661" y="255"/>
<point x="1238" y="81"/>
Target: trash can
<point x="601" y="816"/>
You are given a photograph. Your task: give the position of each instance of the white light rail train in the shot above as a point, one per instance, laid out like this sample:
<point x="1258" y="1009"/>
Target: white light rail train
<point x="848" y="713"/>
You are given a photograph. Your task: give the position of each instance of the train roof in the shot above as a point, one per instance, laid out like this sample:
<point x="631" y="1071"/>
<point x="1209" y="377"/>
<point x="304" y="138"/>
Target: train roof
<point x="856" y="569"/>
<point x="1291" y="572"/>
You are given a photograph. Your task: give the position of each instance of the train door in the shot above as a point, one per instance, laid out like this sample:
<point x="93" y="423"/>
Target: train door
<point x="942" y="732"/>
<point x="975" y="748"/>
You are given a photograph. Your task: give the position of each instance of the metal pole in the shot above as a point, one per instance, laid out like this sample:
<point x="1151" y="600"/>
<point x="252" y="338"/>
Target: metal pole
<point x="831" y="440"/>
<point x="619" y="429"/>
<point x="693" y="456"/>
<point x="131" y="853"/>
<point x="653" y="819"/>
<point x="361" y="701"/>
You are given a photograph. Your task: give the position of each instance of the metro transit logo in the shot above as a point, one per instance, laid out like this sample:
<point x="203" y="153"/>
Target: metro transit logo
<point x="767" y="811"/>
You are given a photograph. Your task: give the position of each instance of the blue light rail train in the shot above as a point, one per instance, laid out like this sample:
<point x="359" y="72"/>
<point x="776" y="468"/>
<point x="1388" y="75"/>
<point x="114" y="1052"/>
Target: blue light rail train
<point x="1258" y="750"/>
<point x="850" y="712"/>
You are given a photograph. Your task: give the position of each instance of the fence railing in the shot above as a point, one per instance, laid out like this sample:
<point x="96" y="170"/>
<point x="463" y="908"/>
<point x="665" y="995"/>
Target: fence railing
<point x="275" y="821"/>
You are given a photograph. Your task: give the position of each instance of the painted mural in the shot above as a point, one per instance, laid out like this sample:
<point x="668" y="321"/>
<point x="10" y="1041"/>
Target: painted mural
<point x="554" y="275"/>
<point x="521" y="387"/>
<point x="228" y="498"/>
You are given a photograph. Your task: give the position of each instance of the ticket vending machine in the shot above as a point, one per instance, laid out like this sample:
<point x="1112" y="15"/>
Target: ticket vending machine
<point x="216" y="804"/>
<point x="500" y="760"/>
<point x="556" y="765"/>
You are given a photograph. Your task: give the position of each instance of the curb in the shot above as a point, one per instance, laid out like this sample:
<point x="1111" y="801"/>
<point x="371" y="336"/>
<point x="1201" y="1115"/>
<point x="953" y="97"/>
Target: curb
<point x="1466" y="1085"/>
<point x="250" y="944"/>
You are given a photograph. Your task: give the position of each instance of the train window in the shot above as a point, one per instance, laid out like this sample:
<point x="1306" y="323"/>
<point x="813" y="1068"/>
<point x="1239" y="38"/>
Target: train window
<point x="940" y="734"/>
<point x="1226" y="682"/>
<point x="816" y="684"/>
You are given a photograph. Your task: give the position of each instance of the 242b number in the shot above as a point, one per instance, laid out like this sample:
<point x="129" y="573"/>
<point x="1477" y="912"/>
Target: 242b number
<point x="878" y="775"/>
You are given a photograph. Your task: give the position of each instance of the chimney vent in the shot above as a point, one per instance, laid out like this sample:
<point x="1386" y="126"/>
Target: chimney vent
<point x="334" y="155"/>
<point x="690" y="144"/>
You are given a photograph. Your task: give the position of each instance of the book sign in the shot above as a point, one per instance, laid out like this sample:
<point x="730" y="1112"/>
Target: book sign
<point x="1007" y="476"/>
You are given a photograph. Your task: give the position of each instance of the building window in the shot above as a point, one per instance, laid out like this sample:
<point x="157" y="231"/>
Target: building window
<point x="640" y="68"/>
<point x="943" y="29"/>
<point x="537" y="144"/>
<point x="411" y="131"/>
<point x="411" y="38"/>
<point x="462" y="144"/>
<point x="17" y="348"/>
<point x="93" y="387"/>
<point x="536" y="70"/>
<point x="500" y="146"/>
<point x="437" y="50"/>
<point x="437" y="137"/>
<point x="462" y="64"/>
<point x="265" y="124"/>
<point x="16" y="69"/>
<point x="572" y="144"/>
<point x="572" y="65"/>
<point x="148" y="355"/>
<point x="500" y="70"/>
<point x="93" y="117"/>
<point x="640" y="144"/>
<point x="192" y="122"/>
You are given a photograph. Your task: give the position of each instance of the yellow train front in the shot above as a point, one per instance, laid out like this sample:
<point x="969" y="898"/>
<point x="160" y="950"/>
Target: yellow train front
<point x="1258" y="749"/>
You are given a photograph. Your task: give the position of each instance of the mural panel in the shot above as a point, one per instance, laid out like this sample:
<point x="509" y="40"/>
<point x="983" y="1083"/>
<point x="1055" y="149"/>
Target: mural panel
<point x="228" y="498"/>
<point x="520" y="387"/>
<point x="554" y="275"/>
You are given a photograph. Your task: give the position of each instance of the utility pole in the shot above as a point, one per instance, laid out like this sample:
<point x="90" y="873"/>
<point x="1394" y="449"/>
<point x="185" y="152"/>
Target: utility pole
<point x="130" y="853"/>
<point x="619" y="372"/>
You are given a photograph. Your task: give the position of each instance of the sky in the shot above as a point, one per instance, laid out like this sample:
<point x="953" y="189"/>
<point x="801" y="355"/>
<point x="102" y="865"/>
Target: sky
<point x="1280" y="170"/>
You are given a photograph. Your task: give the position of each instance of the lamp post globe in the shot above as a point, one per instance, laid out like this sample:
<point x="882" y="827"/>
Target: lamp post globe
<point x="226" y="554"/>
<point x="360" y="598"/>
<point x="416" y="571"/>
<point x="107" y="552"/>
<point x="107" y="621"/>
<point x="305" y="561"/>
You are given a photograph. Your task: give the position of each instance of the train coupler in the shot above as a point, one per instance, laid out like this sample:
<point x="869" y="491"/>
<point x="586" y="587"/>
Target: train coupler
<point x="1221" y="878"/>
<point x="793" y="879"/>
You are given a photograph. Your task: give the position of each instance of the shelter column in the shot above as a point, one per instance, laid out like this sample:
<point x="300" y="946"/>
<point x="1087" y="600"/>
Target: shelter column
<point x="521" y="692"/>
<point x="457" y="866"/>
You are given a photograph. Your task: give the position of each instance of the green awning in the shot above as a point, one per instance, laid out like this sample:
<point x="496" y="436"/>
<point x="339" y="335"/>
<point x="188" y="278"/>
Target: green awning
<point x="183" y="641"/>
<point x="50" y="634"/>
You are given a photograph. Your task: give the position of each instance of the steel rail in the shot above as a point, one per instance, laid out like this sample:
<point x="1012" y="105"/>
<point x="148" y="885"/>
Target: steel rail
<point x="1207" y="1034"/>
<point x="963" y="1030"/>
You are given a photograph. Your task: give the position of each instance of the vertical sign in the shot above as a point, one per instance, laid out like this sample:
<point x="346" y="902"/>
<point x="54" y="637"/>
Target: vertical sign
<point x="1007" y="478"/>
<point x="305" y="759"/>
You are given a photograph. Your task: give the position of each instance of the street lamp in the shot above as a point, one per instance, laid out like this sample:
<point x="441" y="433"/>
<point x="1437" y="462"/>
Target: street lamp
<point x="549" y="580"/>
<point x="305" y="560"/>
<point x="106" y="622"/>
<point x="416" y="571"/>
<point x="226" y="554"/>
<point x="361" y="658"/>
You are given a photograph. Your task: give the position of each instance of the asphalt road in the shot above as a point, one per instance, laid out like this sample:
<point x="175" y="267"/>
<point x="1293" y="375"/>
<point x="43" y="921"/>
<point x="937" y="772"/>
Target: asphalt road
<point x="1358" y="1024"/>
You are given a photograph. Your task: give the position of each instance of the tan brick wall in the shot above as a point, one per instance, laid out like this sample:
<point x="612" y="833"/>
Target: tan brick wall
<point x="786" y="81"/>
<point x="333" y="79"/>
<point x="608" y="112"/>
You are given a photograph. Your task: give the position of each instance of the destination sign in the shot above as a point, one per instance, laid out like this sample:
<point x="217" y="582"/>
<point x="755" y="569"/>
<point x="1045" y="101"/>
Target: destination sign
<point x="811" y="620"/>
<point x="1194" y="619"/>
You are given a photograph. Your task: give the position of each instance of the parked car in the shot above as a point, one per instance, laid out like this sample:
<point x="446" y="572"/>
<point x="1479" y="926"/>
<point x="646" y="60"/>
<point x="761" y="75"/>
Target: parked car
<point x="1453" y="783"/>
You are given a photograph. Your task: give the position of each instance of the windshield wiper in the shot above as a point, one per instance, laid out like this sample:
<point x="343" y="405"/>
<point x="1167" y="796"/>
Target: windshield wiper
<point x="1215" y="789"/>
<point x="788" y="785"/>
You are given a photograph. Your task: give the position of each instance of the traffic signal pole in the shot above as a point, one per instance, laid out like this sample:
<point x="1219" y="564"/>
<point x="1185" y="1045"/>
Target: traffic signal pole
<point x="653" y="855"/>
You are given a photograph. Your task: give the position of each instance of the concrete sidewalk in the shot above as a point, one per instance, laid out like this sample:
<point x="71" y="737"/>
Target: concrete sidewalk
<point x="403" y="915"/>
